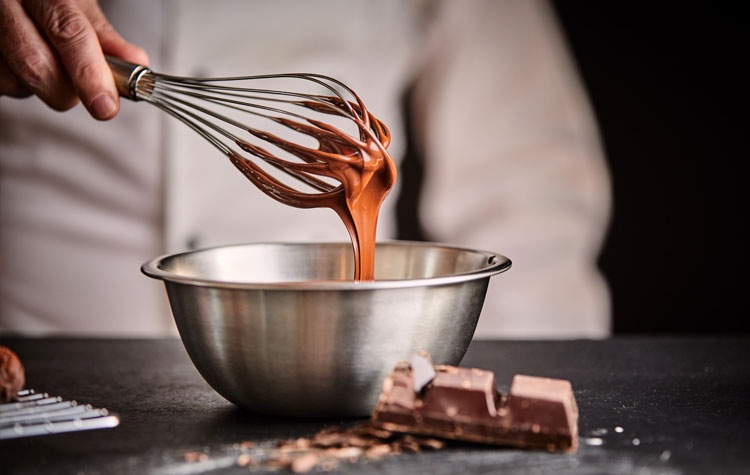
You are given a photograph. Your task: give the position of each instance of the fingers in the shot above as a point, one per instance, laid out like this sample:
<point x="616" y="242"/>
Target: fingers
<point x="56" y="51"/>
<point x="28" y="62"/>
<point x="67" y="27"/>
<point x="9" y="84"/>
<point x="111" y="42"/>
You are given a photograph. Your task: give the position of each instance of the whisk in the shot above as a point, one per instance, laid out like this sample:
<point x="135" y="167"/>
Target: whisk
<point x="311" y="127"/>
<point x="212" y="107"/>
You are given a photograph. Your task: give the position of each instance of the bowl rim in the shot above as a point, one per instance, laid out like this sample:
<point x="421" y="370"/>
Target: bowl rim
<point x="496" y="263"/>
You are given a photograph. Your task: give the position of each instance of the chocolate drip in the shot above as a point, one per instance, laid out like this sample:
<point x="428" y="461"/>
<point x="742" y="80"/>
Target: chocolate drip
<point x="365" y="171"/>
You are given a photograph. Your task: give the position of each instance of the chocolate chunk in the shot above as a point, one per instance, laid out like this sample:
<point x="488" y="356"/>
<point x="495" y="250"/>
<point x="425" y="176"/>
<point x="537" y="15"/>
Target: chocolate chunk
<point x="464" y="404"/>
<point x="422" y="371"/>
<point x="12" y="375"/>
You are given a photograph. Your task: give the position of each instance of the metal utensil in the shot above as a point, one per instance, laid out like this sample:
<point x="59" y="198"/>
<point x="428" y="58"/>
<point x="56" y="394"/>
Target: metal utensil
<point x="36" y="413"/>
<point x="293" y="124"/>
<point x="324" y="137"/>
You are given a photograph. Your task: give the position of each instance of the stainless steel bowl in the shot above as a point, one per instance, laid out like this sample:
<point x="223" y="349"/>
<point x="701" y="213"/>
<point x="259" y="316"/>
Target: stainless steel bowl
<point x="283" y="329"/>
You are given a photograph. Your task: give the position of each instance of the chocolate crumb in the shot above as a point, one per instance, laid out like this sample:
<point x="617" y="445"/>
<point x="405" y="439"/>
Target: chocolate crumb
<point x="192" y="457"/>
<point x="305" y="462"/>
<point x="246" y="460"/>
<point x="377" y="451"/>
<point x="331" y="446"/>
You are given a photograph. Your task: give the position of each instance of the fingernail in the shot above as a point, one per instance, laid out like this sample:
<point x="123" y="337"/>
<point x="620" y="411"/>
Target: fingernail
<point x="103" y="106"/>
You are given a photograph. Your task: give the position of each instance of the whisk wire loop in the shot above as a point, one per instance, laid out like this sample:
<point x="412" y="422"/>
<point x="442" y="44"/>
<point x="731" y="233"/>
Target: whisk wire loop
<point x="219" y="110"/>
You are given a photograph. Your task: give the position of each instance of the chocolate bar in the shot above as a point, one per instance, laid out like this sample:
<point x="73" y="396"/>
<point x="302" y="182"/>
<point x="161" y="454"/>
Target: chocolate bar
<point x="464" y="404"/>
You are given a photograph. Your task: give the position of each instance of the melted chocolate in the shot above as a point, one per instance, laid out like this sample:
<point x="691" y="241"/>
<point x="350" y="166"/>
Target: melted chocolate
<point x="365" y="171"/>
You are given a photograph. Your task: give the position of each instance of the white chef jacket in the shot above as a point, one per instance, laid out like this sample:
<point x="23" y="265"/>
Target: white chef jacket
<point x="513" y="158"/>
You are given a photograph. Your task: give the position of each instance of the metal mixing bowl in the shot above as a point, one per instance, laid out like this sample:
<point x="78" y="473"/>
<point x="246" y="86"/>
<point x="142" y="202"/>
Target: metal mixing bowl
<point x="283" y="329"/>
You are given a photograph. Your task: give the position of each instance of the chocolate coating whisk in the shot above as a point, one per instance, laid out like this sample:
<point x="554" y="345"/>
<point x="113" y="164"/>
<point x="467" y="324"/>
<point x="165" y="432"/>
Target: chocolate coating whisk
<point x="235" y="115"/>
<point x="349" y="172"/>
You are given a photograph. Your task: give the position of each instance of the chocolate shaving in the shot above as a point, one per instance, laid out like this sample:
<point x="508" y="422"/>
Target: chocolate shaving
<point x="332" y="446"/>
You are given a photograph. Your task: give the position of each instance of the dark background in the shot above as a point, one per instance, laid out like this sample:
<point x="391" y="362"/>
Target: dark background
<point x="666" y="87"/>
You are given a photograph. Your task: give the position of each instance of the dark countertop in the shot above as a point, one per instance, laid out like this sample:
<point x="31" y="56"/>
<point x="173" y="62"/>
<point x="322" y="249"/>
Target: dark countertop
<point x="682" y="404"/>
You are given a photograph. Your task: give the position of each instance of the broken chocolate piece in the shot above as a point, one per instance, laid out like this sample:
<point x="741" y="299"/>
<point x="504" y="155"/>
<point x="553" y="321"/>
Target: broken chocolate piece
<point x="422" y="370"/>
<point x="12" y="375"/>
<point x="464" y="404"/>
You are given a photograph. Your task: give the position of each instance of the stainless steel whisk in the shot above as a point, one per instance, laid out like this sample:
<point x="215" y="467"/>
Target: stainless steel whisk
<point x="225" y="112"/>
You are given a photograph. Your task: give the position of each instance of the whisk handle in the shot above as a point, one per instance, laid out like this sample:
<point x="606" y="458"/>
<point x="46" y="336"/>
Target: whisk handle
<point x="126" y="76"/>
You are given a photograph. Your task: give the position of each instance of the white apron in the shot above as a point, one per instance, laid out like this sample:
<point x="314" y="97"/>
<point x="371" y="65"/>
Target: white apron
<point x="514" y="163"/>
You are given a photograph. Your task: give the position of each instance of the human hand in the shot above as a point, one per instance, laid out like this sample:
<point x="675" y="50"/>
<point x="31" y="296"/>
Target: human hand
<point x="55" y="49"/>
